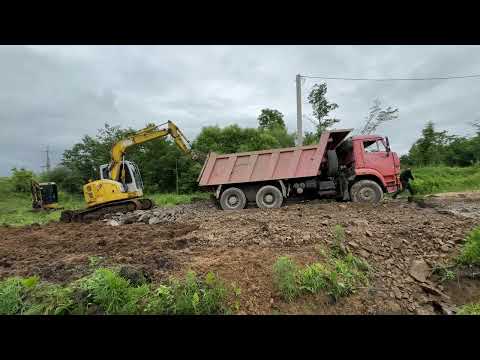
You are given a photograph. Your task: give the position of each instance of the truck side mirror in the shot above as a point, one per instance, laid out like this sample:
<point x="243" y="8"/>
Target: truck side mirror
<point x="388" y="144"/>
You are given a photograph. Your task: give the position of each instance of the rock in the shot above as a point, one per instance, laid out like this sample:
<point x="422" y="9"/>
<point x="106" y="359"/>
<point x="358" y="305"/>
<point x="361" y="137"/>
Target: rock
<point x="368" y="233"/>
<point x="353" y="244"/>
<point x="153" y="220"/>
<point x="144" y="218"/>
<point x="129" y="220"/>
<point x="419" y="270"/>
<point x="397" y="293"/>
<point x="393" y="307"/>
<point x="113" y="223"/>
<point x="363" y="253"/>
<point x="432" y="290"/>
<point x="134" y="276"/>
<point x="445" y="248"/>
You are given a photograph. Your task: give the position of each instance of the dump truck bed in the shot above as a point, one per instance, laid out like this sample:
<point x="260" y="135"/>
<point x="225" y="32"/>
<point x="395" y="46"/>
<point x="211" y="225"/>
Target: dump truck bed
<point x="273" y="164"/>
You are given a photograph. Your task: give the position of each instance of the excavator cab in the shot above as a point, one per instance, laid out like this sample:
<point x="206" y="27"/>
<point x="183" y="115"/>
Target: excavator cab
<point x="133" y="179"/>
<point x="44" y="195"/>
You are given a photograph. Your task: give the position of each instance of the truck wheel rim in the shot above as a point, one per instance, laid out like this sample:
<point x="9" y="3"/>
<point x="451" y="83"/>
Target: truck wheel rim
<point x="367" y="194"/>
<point x="268" y="199"/>
<point x="232" y="200"/>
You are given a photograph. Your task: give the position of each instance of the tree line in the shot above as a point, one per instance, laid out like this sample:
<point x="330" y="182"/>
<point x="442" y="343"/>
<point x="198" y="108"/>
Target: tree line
<point x="440" y="148"/>
<point x="160" y="161"/>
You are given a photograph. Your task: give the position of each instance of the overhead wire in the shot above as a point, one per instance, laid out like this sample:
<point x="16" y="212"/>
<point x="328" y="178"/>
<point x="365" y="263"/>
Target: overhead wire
<point x="391" y="79"/>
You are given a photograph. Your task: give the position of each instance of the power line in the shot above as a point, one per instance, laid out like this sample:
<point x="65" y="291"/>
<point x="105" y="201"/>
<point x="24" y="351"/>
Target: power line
<point x="391" y="79"/>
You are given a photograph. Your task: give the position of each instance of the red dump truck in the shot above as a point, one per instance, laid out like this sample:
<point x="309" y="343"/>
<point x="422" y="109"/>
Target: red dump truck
<point x="357" y="168"/>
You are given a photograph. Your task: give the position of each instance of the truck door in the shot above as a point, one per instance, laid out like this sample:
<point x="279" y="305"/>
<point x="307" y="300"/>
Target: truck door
<point x="376" y="157"/>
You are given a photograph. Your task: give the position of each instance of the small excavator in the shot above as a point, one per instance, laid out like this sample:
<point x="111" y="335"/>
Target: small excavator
<point x="120" y="188"/>
<point x="44" y="196"/>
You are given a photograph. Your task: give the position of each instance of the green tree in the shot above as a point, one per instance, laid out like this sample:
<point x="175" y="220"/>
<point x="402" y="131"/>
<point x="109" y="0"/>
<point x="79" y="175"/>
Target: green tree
<point x="270" y="119"/>
<point x="430" y="149"/>
<point x="21" y="179"/>
<point x="321" y="108"/>
<point x="66" y="179"/>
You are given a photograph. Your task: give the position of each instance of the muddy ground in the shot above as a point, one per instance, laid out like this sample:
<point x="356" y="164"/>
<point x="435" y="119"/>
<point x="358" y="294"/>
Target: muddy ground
<point x="403" y="241"/>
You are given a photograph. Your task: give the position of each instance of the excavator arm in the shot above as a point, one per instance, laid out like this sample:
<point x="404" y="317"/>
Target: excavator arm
<point x="142" y="136"/>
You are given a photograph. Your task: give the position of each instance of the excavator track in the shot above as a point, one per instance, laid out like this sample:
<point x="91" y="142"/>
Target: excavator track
<point x="97" y="212"/>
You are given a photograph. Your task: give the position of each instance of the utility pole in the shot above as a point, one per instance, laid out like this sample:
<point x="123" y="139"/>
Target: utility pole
<point x="47" y="162"/>
<point x="176" y="172"/>
<point x="48" y="159"/>
<point x="299" y="111"/>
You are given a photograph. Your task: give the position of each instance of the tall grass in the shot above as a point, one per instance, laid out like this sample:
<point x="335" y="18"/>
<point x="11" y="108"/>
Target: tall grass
<point x="106" y="292"/>
<point x="436" y="179"/>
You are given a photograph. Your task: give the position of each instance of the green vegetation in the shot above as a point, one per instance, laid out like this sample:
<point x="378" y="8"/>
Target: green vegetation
<point x="339" y="275"/>
<point x="285" y="277"/>
<point x="445" y="273"/>
<point x="436" y="179"/>
<point x="436" y="148"/>
<point x="470" y="253"/>
<point x="16" y="207"/>
<point x="469" y="309"/>
<point x="107" y="292"/>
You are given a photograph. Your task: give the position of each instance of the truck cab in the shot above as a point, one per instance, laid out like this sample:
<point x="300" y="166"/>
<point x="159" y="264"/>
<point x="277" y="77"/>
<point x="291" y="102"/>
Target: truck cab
<point x="374" y="159"/>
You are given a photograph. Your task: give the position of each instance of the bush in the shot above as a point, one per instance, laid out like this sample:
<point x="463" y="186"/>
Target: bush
<point x="13" y="292"/>
<point x="66" y="179"/>
<point x="112" y="293"/>
<point x="285" y="273"/>
<point x="339" y="276"/>
<point x="106" y="292"/>
<point x="469" y="309"/>
<point x="470" y="253"/>
<point x="21" y="180"/>
<point x="193" y="296"/>
<point x="49" y="299"/>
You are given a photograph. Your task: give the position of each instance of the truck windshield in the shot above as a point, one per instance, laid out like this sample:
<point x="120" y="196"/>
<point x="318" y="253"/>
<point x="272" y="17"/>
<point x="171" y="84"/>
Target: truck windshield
<point x="374" y="146"/>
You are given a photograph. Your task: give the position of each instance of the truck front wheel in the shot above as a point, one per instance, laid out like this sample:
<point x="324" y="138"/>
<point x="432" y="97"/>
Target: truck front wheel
<point x="366" y="191"/>
<point x="233" y="199"/>
<point x="269" y="197"/>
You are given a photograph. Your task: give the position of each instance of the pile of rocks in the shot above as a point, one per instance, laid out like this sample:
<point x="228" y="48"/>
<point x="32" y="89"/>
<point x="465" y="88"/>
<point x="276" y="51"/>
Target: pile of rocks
<point x="158" y="215"/>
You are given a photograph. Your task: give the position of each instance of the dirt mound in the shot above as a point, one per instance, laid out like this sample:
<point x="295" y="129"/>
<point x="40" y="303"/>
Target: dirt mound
<point x="402" y="241"/>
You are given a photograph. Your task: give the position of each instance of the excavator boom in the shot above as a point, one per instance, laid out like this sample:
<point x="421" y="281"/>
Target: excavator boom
<point x="142" y="136"/>
<point x="120" y="187"/>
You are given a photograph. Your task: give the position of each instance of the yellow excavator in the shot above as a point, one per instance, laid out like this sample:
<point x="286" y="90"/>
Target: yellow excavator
<point x="120" y="188"/>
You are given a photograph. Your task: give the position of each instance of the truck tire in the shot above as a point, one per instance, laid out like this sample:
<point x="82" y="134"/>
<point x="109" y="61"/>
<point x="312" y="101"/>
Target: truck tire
<point x="332" y="163"/>
<point x="233" y="199"/>
<point x="366" y="191"/>
<point x="269" y="197"/>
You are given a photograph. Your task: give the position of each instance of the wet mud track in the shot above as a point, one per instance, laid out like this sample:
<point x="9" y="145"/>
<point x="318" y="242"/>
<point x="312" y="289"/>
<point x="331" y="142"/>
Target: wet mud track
<point x="242" y="247"/>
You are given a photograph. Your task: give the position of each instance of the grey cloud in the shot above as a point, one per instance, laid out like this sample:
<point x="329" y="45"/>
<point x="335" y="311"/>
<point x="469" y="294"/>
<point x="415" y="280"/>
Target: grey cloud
<point x="57" y="94"/>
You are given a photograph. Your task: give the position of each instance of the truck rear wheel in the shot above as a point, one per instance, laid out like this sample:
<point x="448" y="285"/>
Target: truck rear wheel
<point x="233" y="199"/>
<point x="366" y="191"/>
<point x="269" y="197"/>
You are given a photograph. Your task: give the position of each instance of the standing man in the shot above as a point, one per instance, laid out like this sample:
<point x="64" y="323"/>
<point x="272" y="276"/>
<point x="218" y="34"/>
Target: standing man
<point x="405" y="177"/>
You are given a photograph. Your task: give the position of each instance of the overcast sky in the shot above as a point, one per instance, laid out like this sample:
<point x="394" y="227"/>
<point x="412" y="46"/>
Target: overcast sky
<point x="53" y="95"/>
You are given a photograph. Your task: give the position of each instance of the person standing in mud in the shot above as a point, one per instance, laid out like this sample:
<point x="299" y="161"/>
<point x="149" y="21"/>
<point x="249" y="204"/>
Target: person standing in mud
<point x="405" y="177"/>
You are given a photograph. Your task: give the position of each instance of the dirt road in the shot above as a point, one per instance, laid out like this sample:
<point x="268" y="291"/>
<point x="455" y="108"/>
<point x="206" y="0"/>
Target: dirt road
<point x="396" y="237"/>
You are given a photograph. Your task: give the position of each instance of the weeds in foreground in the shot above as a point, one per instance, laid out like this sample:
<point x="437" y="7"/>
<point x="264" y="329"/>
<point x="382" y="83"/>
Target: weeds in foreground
<point x="285" y="277"/>
<point x="339" y="276"/>
<point x="470" y="253"/>
<point x="445" y="273"/>
<point x="469" y="309"/>
<point x="107" y="292"/>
